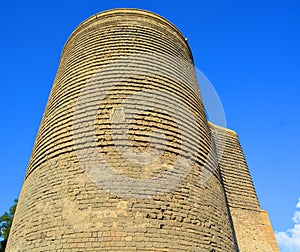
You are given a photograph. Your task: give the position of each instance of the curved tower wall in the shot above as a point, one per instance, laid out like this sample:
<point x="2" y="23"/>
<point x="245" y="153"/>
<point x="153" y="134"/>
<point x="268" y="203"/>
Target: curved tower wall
<point x="123" y="159"/>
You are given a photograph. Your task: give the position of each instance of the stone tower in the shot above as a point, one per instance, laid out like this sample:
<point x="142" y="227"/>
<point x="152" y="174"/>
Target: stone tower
<point x="125" y="159"/>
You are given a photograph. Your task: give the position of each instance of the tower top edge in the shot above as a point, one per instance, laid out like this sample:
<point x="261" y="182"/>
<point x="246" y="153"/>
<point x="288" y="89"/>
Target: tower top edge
<point x="141" y="12"/>
<point x="129" y="11"/>
<point x="222" y="128"/>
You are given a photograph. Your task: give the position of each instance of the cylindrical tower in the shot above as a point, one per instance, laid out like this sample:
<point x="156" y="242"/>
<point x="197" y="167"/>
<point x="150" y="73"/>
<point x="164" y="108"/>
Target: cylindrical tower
<point x="123" y="159"/>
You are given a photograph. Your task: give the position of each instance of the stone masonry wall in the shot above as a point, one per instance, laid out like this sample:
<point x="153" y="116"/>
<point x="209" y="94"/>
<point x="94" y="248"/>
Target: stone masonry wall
<point x="123" y="160"/>
<point x="252" y="226"/>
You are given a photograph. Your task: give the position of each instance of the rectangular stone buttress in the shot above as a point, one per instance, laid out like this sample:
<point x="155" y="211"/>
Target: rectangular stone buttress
<point x="252" y="226"/>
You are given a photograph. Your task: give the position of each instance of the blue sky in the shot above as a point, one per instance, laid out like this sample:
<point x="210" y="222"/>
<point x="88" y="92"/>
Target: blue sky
<point x="249" y="50"/>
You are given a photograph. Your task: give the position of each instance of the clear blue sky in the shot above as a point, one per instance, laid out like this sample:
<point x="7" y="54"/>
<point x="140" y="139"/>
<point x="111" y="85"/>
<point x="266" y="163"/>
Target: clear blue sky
<point x="249" y="50"/>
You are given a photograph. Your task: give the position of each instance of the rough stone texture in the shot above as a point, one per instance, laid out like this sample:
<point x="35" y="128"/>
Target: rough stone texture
<point x="252" y="226"/>
<point x="141" y="61"/>
<point x="125" y="159"/>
